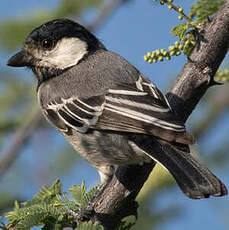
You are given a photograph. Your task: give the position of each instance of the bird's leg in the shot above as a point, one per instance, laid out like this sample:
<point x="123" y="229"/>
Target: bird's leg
<point x="106" y="174"/>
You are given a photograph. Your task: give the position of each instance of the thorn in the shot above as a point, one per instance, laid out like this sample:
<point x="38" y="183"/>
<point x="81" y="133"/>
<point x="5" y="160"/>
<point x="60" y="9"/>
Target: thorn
<point x="213" y="83"/>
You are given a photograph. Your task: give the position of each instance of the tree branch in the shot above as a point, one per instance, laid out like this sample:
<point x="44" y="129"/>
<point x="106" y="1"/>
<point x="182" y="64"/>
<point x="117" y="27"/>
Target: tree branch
<point x="218" y="104"/>
<point x="20" y="137"/>
<point x="118" y="199"/>
<point x="106" y="10"/>
<point x="198" y="73"/>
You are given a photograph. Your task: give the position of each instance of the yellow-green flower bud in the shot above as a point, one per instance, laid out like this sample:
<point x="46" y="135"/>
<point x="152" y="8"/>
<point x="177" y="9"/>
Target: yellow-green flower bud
<point x="152" y="55"/>
<point x="172" y="53"/>
<point x="157" y="52"/>
<point x="171" y="48"/>
<point x="168" y="57"/>
<point x="160" y="58"/>
<point x="180" y="9"/>
<point x="187" y="42"/>
<point x="177" y="44"/>
<point x="181" y="46"/>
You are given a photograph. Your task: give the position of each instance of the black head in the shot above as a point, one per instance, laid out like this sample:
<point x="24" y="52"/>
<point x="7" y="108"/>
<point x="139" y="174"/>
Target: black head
<point x="54" y="47"/>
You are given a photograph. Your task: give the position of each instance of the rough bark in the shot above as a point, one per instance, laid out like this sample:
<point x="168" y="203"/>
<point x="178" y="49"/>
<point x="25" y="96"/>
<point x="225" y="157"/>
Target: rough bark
<point x="118" y="199"/>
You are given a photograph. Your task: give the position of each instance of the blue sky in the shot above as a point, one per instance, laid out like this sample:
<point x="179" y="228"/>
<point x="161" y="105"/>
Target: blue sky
<point x="132" y="31"/>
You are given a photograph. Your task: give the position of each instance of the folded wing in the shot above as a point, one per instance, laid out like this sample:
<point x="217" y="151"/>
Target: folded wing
<point x="135" y="108"/>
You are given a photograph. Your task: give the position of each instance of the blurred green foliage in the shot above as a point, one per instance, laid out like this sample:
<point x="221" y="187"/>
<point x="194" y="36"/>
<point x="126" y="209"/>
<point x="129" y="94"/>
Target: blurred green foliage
<point x="202" y="9"/>
<point x="222" y="75"/>
<point x="24" y="25"/>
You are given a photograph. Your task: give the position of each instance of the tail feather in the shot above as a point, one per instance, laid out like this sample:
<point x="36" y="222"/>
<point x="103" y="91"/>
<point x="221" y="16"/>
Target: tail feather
<point x="194" y="179"/>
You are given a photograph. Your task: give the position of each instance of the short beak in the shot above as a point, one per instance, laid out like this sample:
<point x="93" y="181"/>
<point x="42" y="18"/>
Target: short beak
<point x="20" y="59"/>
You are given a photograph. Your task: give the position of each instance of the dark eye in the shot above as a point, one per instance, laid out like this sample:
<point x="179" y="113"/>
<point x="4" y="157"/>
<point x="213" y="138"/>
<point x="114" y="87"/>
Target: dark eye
<point x="48" y="43"/>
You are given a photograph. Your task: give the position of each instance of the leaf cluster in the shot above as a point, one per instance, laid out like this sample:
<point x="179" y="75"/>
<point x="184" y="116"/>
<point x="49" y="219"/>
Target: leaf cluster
<point x="187" y="33"/>
<point x="204" y="8"/>
<point x="23" y="25"/>
<point x="52" y="209"/>
<point x="222" y="75"/>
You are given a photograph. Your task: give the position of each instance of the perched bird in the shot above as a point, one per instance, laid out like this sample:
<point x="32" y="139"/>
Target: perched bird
<point x="106" y="109"/>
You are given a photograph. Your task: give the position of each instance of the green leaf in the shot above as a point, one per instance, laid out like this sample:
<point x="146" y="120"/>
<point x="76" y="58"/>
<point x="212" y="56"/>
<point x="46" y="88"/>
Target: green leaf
<point x="46" y="193"/>
<point x="89" y="226"/>
<point x="127" y="223"/>
<point x="222" y="76"/>
<point x="180" y="30"/>
<point x="76" y="194"/>
<point x="204" y="8"/>
<point x="80" y="196"/>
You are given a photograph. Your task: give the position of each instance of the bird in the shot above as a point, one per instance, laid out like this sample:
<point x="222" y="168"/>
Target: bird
<point x="107" y="109"/>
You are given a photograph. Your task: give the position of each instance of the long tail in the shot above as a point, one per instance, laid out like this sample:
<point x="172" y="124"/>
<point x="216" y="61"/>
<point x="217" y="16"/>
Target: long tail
<point x="195" y="180"/>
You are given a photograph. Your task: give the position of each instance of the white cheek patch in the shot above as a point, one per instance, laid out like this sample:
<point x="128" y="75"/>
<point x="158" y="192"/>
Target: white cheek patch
<point x="67" y="52"/>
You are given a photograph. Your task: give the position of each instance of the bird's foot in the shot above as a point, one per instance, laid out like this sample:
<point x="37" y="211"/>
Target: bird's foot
<point x="82" y="215"/>
<point x="87" y="213"/>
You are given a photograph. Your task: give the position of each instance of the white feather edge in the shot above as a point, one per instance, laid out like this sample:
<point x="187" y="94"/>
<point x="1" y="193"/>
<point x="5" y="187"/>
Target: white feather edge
<point x="137" y="105"/>
<point x="145" y="118"/>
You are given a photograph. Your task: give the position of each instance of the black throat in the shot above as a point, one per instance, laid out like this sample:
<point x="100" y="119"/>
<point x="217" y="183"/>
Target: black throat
<point x="46" y="73"/>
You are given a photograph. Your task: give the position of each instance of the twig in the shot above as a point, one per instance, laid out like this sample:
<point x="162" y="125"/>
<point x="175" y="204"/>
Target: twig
<point x="107" y="9"/>
<point x="218" y="104"/>
<point x="20" y="137"/>
<point x="178" y="10"/>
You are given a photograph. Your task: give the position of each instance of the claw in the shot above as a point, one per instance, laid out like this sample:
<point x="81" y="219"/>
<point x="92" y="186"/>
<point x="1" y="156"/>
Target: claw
<point x="81" y="216"/>
<point x="85" y="215"/>
<point x="213" y="82"/>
